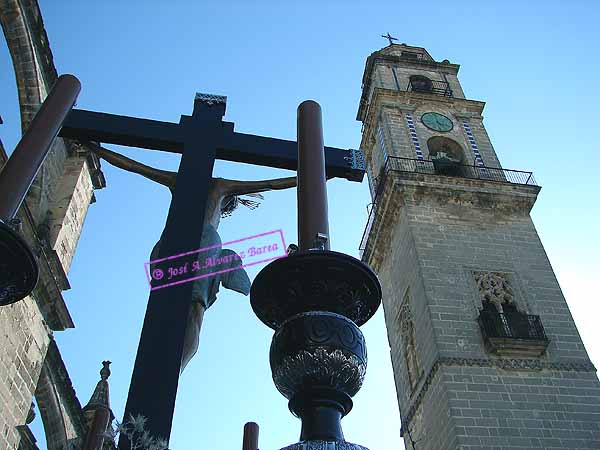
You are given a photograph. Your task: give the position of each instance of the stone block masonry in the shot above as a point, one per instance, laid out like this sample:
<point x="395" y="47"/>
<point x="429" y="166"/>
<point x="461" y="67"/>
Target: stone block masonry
<point x="25" y="338"/>
<point x="446" y="230"/>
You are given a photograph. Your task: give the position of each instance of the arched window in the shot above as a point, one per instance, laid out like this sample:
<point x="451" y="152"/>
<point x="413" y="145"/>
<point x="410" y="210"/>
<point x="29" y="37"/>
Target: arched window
<point x="419" y="83"/>
<point x="440" y="145"/>
<point x="447" y="156"/>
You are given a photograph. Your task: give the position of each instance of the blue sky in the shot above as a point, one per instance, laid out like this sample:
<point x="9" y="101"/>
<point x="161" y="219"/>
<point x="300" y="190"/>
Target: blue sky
<point x="535" y="64"/>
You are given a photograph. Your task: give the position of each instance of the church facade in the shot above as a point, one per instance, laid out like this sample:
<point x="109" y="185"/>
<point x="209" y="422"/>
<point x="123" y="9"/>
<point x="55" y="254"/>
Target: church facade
<point x="52" y="218"/>
<point x="485" y="352"/>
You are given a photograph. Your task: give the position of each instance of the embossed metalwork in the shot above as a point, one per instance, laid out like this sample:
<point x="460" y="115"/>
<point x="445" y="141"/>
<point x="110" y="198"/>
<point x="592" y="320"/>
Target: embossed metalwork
<point x="339" y="369"/>
<point x="314" y="330"/>
<point x="318" y="348"/>
<point x="356" y="159"/>
<point x="315" y="281"/>
<point x="211" y="99"/>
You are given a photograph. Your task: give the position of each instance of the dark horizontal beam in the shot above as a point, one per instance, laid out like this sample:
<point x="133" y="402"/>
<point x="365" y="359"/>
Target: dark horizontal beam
<point x="122" y="130"/>
<point x="166" y="136"/>
<point x="283" y="154"/>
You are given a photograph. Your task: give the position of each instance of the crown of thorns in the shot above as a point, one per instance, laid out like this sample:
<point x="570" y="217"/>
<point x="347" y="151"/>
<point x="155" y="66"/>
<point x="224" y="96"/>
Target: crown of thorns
<point x="233" y="201"/>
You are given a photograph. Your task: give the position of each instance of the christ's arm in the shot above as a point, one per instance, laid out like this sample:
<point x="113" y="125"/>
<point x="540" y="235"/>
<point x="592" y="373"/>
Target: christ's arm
<point x="232" y="187"/>
<point x="163" y="177"/>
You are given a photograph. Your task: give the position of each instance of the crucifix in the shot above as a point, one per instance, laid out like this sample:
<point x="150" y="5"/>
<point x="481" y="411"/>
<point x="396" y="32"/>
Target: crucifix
<point x="223" y="198"/>
<point x="389" y="38"/>
<point x="200" y="139"/>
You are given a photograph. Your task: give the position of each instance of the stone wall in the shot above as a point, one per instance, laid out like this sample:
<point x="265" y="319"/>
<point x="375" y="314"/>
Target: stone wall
<point x="68" y="208"/>
<point x="443" y="230"/>
<point x="25" y="340"/>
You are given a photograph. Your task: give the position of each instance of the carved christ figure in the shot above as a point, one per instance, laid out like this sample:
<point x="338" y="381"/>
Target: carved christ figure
<point x="223" y="198"/>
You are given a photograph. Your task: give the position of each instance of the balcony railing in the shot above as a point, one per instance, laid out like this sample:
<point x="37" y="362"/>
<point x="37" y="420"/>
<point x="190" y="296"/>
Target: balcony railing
<point x="430" y="167"/>
<point x="430" y="87"/>
<point x="513" y="333"/>
<point x="511" y="325"/>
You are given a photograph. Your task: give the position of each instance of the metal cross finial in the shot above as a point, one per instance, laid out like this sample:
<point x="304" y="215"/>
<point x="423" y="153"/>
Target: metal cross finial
<point x="389" y="38"/>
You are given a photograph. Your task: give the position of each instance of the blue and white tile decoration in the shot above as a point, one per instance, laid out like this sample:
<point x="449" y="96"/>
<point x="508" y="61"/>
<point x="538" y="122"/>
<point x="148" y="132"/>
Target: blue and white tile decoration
<point x="473" y="144"/>
<point x="380" y="136"/>
<point x="371" y="181"/>
<point x="413" y="134"/>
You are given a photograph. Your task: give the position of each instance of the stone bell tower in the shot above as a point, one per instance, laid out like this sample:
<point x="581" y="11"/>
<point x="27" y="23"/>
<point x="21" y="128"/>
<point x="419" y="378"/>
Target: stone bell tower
<point x="484" y="349"/>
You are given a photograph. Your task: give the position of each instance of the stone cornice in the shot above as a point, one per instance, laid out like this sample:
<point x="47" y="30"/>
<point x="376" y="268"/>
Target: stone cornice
<point x="505" y="197"/>
<point x="400" y="188"/>
<point x="468" y="115"/>
<point x="404" y="100"/>
<point x="516" y="364"/>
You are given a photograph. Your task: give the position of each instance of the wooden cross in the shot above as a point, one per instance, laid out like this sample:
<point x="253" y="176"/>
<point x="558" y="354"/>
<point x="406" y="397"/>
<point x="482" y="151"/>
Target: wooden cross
<point x="200" y="139"/>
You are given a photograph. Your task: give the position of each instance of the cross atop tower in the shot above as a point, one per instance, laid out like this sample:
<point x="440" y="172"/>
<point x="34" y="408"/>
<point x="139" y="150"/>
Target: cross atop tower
<point x="389" y="38"/>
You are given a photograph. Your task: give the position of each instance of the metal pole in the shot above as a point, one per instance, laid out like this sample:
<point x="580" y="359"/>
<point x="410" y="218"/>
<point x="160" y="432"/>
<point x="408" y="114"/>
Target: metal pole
<point x="19" y="171"/>
<point x="250" y="436"/>
<point x="318" y="394"/>
<point x="313" y="225"/>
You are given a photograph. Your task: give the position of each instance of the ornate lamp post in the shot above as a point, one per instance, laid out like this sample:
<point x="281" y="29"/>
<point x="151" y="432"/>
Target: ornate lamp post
<point x="315" y="299"/>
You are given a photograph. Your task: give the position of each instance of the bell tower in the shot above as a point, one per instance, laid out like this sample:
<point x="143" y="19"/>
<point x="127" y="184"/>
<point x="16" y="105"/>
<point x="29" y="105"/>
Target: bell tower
<point x="484" y="349"/>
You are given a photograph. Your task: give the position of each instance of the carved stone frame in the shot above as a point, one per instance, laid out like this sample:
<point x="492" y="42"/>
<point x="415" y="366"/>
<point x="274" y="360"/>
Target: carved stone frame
<point x="476" y="303"/>
<point x="406" y="306"/>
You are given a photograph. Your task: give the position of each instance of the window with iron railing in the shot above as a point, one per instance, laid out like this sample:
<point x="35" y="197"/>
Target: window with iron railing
<point x="420" y="83"/>
<point x="511" y="325"/>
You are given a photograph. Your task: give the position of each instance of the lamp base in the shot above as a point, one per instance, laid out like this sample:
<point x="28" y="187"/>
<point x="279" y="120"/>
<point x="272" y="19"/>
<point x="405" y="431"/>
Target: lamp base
<point x="18" y="266"/>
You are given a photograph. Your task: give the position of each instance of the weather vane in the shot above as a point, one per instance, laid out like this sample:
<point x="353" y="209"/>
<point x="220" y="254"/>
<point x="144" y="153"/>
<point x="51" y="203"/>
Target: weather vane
<point x="389" y="38"/>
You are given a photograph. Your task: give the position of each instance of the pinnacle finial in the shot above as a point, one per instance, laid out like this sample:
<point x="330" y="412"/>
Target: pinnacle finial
<point x="105" y="371"/>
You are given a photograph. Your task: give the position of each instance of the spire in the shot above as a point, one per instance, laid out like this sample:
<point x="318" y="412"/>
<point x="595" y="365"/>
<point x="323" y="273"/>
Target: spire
<point x="100" y="397"/>
<point x="97" y="412"/>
